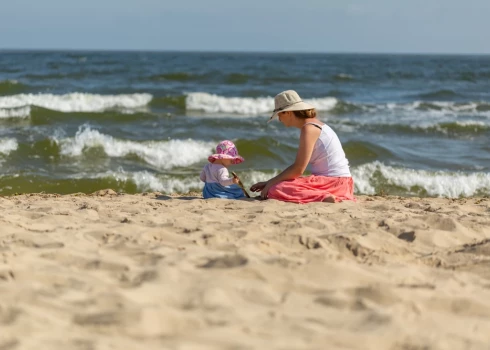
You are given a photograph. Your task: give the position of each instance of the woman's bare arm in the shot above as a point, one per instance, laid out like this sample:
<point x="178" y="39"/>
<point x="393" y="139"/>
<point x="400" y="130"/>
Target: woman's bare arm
<point x="308" y="137"/>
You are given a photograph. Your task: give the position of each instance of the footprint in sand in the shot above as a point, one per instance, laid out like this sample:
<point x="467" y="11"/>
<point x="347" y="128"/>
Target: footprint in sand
<point x="105" y="310"/>
<point x="105" y="237"/>
<point x="84" y="263"/>
<point x="143" y="258"/>
<point x="442" y="223"/>
<point x="474" y="258"/>
<point x="225" y="262"/>
<point x="348" y="245"/>
<point x="297" y="241"/>
<point x="407" y="236"/>
<point x="8" y="344"/>
<point x="359" y="298"/>
<point x="99" y="319"/>
<point x="8" y="315"/>
<point x="33" y="241"/>
<point x="133" y="280"/>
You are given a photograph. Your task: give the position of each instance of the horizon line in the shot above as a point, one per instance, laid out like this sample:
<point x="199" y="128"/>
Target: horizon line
<point x="243" y="52"/>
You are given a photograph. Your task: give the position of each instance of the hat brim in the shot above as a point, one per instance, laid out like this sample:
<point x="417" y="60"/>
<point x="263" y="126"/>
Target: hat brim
<point x="301" y="106"/>
<point x="236" y="159"/>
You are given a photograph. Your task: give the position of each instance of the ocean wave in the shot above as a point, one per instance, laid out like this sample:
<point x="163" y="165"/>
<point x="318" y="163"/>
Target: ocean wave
<point x="343" y="107"/>
<point x="175" y="76"/>
<point x="371" y="178"/>
<point x="415" y="108"/>
<point x="401" y="75"/>
<point x="119" y="180"/>
<point x="209" y="103"/>
<point x="445" y="94"/>
<point x="443" y="118"/>
<point x="10" y="87"/>
<point x="469" y="127"/>
<point x="435" y="126"/>
<point x="238" y="78"/>
<point x="77" y="75"/>
<point x="362" y="151"/>
<point x="472" y="76"/>
<point x="302" y="77"/>
<point x="376" y="177"/>
<point x="439" y="75"/>
<point x="160" y="154"/>
<point x="8" y="145"/>
<point x="76" y="102"/>
<point x="20" y="112"/>
<point x="169" y="101"/>
<point x="343" y="77"/>
<point x="42" y="116"/>
<point x="419" y="108"/>
<point x="146" y="181"/>
<point x="442" y="107"/>
<point x="55" y="76"/>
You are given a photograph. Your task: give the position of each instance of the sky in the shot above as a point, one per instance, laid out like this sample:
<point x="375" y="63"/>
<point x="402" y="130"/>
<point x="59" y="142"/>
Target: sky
<point x="364" y="26"/>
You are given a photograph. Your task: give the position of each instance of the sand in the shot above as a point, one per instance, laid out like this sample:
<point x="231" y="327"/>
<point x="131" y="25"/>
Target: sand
<point x="150" y="271"/>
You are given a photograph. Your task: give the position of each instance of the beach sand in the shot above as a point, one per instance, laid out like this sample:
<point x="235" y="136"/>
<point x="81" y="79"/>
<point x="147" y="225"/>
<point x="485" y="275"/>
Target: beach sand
<point x="150" y="271"/>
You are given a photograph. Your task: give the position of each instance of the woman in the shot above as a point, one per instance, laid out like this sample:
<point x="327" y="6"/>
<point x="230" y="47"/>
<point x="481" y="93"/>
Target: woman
<point x="320" y="147"/>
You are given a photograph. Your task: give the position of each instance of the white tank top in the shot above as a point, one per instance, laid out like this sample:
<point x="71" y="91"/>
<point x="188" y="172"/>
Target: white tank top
<point x="328" y="157"/>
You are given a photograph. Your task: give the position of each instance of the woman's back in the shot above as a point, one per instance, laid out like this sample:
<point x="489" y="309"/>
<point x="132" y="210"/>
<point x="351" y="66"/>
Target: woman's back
<point x="328" y="157"/>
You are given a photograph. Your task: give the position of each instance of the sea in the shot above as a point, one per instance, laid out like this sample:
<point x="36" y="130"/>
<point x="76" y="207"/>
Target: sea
<point x="81" y="121"/>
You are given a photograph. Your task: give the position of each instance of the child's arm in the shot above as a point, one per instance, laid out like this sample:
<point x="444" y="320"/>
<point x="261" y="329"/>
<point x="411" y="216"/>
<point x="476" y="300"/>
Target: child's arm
<point x="224" y="178"/>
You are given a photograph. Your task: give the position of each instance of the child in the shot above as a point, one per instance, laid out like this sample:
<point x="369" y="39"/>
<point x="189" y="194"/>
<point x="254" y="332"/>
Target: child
<point x="218" y="183"/>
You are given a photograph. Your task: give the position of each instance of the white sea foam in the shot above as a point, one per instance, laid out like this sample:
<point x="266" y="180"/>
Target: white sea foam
<point x="8" y="145"/>
<point x="75" y="102"/>
<point x="209" y="103"/>
<point x="415" y="113"/>
<point x="20" y="112"/>
<point x="437" y="183"/>
<point x="254" y="176"/>
<point x="147" y="181"/>
<point x="442" y="184"/>
<point x="471" y="123"/>
<point x="344" y="76"/>
<point x="432" y="108"/>
<point x="414" y="117"/>
<point x="161" y="154"/>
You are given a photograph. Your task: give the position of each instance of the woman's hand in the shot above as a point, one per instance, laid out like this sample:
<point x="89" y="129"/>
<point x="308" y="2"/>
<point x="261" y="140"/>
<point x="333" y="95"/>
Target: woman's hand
<point x="265" y="190"/>
<point x="263" y="187"/>
<point x="259" y="186"/>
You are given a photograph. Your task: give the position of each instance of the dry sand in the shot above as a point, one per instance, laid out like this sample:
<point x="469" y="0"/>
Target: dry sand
<point x="155" y="272"/>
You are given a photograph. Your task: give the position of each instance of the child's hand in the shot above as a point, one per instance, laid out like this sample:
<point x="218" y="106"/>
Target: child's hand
<point x="236" y="180"/>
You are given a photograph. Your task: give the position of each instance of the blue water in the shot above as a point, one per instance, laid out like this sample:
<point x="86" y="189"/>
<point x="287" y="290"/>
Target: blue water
<point x="140" y="121"/>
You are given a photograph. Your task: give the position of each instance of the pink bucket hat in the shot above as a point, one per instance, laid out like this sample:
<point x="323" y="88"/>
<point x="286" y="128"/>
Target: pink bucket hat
<point x="226" y="150"/>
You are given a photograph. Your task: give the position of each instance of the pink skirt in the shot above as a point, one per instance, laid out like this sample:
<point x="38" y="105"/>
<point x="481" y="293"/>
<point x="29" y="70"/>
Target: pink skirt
<point x="313" y="188"/>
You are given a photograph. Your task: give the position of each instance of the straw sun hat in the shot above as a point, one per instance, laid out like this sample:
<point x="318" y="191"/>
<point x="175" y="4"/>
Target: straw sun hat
<point x="288" y="100"/>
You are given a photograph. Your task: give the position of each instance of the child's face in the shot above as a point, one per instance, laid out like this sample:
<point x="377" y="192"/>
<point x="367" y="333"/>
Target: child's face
<point x="226" y="162"/>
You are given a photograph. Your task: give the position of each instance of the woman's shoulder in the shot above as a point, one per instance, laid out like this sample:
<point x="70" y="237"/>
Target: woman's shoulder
<point x="312" y="128"/>
<point x="314" y="123"/>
